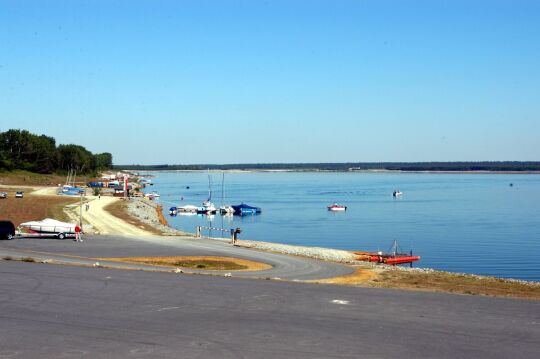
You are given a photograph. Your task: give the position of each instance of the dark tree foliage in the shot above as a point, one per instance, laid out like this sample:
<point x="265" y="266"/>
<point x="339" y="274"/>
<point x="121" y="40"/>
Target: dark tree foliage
<point x="20" y="149"/>
<point x="103" y="161"/>
<point x="75" y="157"/>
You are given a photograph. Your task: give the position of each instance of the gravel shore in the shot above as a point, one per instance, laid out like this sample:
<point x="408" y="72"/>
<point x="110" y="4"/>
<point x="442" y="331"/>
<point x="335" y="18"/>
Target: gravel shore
<point x="146" y="211"/>
<point x="326" y="254"/>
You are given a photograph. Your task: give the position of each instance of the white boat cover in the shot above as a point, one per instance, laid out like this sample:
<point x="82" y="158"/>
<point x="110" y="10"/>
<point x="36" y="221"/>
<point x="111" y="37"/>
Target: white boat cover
<point x="49" y="225"/>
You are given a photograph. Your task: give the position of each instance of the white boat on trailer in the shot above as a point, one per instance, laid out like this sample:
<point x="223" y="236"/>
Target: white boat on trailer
<point x="48" y="228"/>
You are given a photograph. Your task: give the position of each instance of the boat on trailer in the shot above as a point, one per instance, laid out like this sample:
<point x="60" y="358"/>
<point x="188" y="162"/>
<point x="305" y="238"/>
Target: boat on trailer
<point x="48" y="227"/>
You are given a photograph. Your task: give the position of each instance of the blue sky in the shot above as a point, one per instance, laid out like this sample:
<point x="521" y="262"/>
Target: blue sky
<point x="275" y="81"/>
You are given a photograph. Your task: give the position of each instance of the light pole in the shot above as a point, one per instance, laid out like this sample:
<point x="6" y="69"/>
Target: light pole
<point x="80" y="213"/>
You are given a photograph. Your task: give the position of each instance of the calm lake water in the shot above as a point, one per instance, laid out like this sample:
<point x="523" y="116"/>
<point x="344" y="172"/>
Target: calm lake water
<point x="472" y="223"/>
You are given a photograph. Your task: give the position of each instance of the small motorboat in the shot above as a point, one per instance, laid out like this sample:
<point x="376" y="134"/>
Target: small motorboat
<point x="187" y="209"/>
<point x="336" y="207"/>
<point x="396" y="193"/>
<point x="207" y="208"/>
<point x="152" y="196"/>
<point x="226" y="209"/>
<point x="245" y="209"/>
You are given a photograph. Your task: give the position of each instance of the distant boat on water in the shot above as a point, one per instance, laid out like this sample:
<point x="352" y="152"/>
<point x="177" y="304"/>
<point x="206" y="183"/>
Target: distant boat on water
<point x="397" y="193"/>
<point x="336" y="207"/>
<point x="152" y="196"/>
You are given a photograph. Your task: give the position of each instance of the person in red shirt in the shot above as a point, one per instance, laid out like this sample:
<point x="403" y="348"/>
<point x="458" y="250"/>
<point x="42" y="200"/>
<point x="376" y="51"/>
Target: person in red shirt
<point x="78" y="234"/>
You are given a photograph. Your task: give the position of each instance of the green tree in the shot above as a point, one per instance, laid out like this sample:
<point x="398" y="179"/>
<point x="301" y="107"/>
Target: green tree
<point x="75" y="157"/>
<point x="103" y="161"/>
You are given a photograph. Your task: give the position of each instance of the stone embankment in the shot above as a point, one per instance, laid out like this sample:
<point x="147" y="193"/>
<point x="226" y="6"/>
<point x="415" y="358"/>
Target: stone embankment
<point x="326" y="254"/>
<point x="147" y="212"/>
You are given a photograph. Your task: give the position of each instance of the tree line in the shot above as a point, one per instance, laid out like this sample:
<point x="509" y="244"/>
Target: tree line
<point x="22" y="150"/>
<point x="510" y="166"/>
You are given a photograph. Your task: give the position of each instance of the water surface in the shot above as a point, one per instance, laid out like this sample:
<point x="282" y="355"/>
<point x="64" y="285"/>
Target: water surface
<point x="472" y="223"/>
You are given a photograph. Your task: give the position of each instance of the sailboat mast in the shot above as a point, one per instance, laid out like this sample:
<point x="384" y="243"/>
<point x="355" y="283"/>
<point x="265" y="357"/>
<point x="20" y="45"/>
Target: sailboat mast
<point x="209" y="188"/>
<point x="223" y="189"/>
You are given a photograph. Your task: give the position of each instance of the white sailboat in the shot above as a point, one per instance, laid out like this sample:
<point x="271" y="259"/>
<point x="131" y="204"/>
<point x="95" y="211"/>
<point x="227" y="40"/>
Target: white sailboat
<point x="207" y="206"/>
<point x="225" y="209"/>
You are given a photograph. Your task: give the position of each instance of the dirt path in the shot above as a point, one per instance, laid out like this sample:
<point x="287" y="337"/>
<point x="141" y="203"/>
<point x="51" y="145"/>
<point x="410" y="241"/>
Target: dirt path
<point x="103" y="222"/>
<point x="45" y="191"/>
<point x="100" y="220"/>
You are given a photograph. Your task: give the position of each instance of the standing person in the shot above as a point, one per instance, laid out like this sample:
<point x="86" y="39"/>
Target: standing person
<point x="77" y="234"/>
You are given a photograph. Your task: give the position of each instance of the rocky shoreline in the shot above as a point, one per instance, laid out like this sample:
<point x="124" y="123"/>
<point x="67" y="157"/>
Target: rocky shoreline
<point x="146" y="212"/>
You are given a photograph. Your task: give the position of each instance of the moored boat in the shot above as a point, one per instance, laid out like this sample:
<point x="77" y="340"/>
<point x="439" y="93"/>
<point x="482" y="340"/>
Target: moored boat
<point x="189" y="208"/>
<point x="245" y="209"/>
<point x="207" y="208"/>
<point x="226" y="209"/>
<point x="336" y="207"/>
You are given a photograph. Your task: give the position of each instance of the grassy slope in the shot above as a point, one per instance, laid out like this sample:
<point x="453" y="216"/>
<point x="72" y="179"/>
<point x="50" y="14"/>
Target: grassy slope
<point x="25" y="178"/>
<point x="31" y="207"/>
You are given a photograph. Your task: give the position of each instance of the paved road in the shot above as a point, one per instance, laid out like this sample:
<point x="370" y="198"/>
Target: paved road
<point x="283" y="266"/>
<point x="49" y="311"/>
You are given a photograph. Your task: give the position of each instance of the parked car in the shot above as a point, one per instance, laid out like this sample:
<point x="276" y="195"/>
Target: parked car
<point x="7" y="230"/>
<point x="19" y="194"/>
<point x="3" y="195"/>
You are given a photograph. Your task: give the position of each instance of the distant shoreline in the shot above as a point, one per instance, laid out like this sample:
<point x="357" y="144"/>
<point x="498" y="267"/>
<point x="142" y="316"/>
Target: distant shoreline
<point x="369" y="167"/>
<point x="331" y="171"/>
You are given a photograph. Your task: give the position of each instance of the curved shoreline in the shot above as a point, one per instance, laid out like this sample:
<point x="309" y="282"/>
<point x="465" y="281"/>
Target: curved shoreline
<point x="99" y="220"/>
